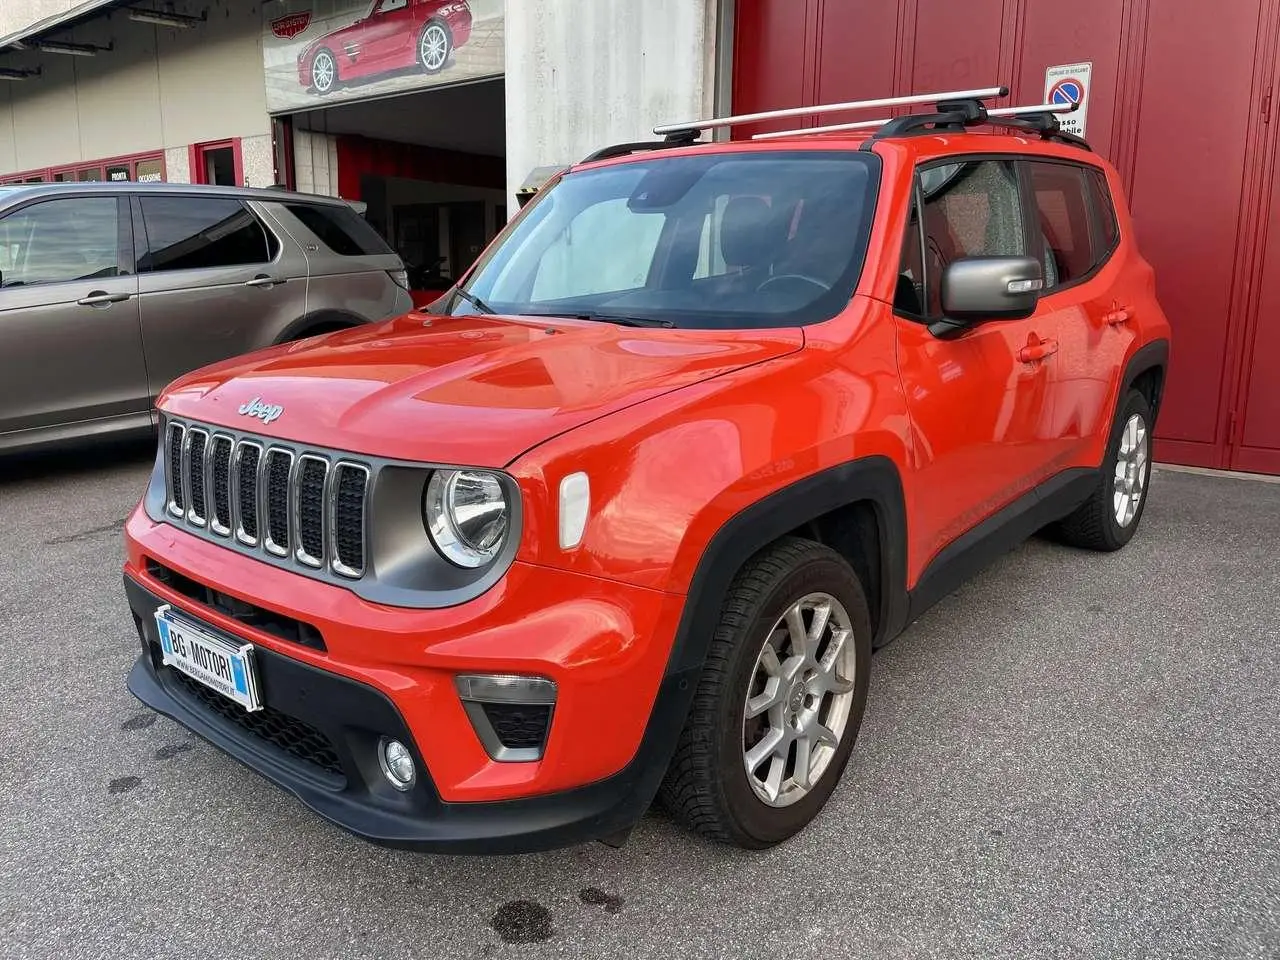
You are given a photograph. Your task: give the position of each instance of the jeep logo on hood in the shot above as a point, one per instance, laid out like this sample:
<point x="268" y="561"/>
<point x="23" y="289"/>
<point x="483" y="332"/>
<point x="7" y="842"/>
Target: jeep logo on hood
<point x="266" y="412"/>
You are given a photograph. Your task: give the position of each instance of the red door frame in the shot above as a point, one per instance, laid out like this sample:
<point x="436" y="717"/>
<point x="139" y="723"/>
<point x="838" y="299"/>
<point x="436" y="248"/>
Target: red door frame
<point x="196" y="153"/>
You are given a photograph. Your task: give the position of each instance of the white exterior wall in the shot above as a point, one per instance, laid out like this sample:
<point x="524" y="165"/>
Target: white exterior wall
<point x="16" y="15"/>
<point x="584" y="75"/>
<point x="160" y="88"/>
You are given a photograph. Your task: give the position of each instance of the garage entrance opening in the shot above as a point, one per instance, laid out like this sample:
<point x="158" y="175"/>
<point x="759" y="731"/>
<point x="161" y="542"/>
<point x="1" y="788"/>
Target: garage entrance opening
<point x="429" y="165"/>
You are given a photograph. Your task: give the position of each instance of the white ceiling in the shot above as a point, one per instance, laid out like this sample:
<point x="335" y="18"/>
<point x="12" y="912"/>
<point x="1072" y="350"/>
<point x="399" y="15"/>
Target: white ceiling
<point x="469" y="117"/>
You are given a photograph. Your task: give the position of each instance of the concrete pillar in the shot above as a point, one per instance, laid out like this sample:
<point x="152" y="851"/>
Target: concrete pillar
<point x="580" y="76"/>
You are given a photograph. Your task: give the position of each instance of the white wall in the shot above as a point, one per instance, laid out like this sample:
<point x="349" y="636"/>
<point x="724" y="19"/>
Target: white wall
<point x="160" y="88"/>
<point x="584" y="75"/>
<point x="16" y="15"/>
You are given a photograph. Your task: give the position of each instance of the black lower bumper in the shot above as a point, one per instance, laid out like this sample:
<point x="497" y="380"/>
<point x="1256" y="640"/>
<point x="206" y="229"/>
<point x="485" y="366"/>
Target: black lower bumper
<point x="318" y="736"/>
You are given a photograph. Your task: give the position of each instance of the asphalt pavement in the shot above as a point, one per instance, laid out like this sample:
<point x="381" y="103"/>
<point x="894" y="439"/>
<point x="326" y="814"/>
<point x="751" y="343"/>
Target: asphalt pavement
<point x="1076" y="755"/>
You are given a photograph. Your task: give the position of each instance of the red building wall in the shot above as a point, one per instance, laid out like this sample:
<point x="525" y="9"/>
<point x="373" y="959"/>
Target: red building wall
<point x="1181" y="101"/>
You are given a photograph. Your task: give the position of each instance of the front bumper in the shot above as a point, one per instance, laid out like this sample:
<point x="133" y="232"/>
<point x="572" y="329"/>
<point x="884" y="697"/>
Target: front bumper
<point x="347" y="786"/>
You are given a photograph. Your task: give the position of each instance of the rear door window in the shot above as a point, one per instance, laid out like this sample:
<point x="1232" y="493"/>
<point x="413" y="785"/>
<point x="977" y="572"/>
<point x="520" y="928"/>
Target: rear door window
<point x="1061" y="200"/>
<point x="191" y="233"/>
<point x="57" y="241"/>
<point x="340" y="229"/>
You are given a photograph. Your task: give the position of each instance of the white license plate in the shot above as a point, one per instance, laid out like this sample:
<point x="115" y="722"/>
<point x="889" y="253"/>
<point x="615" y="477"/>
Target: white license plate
<point x="225" y="667"/>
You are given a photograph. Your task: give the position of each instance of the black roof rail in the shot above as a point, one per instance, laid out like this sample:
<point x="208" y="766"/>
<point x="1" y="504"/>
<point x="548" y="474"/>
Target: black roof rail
<point x="681" y="138"/>
<point x="1045" y="124"/>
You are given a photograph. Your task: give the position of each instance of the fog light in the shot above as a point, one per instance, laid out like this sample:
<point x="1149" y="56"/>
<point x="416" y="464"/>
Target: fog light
<point x="397" y="763"/>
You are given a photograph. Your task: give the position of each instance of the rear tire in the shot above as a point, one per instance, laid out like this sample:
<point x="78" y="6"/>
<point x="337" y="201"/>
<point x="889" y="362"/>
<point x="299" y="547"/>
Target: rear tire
<point x="1110" y="517"/>
<point x="813" y="689"/>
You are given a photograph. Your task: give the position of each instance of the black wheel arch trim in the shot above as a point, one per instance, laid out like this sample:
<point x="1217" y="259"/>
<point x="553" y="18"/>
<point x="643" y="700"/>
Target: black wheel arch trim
<point x="1150" y="356"/>
<point x="316" y="319"/>
<point x="873" y="479"/>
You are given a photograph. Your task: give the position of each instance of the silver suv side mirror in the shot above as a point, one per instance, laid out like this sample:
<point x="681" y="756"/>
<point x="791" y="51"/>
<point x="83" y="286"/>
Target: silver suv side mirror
<point x="975" y="289"/>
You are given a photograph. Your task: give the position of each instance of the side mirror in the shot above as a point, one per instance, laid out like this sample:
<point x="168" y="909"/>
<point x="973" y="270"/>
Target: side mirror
<point x="975" y="289"/>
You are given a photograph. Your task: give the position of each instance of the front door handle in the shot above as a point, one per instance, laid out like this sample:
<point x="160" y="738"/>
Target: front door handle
<point x="100" y="298"/>
<point x="1038" y="350"/>
<point x="262" y="280"/>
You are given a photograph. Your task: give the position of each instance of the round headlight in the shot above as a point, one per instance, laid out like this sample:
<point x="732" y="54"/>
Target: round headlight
<point x="466" y="513"/>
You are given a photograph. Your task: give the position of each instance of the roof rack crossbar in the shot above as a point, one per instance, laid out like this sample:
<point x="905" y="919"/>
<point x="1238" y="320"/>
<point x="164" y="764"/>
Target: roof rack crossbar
<point x="1030" y="111"/>
<point x="712" y="123"/>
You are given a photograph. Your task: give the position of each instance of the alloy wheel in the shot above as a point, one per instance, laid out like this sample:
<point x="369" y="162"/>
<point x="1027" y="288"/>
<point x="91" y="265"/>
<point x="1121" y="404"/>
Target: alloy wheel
<point x="799" y="699"/>
<point x="1131" y="471"/>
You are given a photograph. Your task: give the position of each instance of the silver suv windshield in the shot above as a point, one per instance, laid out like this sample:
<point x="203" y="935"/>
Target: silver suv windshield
<point x="714" y="240"/>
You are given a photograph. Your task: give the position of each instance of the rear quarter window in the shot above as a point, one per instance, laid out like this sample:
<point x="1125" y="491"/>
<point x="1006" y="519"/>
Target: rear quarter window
<point x="340" y="229"/>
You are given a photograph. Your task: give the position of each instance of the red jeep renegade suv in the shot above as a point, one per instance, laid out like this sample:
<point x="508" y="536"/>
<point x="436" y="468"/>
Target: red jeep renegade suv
<point x="625" y="513"/>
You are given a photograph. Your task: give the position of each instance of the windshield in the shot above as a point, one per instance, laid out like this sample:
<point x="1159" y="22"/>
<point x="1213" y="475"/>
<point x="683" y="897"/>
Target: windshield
<point x="718" y="240"/>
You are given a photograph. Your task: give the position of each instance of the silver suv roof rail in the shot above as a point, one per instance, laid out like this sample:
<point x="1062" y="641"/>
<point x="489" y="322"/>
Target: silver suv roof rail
<point x="696" y="126"/>
<point x="1027" y="111"/>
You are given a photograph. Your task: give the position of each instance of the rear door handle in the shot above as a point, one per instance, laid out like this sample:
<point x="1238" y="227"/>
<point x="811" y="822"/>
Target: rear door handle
<point x="1117" y="315"/>
<point x="262" y="280"/>
<point x="100" y="298"/>
<point x="1033" y="352"/>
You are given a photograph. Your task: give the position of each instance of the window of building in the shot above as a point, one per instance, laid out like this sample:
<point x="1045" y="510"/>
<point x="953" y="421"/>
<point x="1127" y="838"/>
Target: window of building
<point x="56" y="241"/>
<point x="188" y="233"/>
<point x="971" y="208"/>
<point x="340" y="229"/>
<point x="1063" y="208"/>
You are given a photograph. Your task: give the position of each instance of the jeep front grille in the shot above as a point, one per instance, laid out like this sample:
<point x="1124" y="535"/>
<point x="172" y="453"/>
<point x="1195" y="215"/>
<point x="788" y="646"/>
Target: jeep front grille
<point x="294" y="504"/>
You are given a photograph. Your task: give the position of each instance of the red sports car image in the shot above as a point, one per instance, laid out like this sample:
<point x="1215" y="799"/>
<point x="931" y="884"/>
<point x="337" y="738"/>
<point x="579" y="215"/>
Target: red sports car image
<point x="393" y="35"/>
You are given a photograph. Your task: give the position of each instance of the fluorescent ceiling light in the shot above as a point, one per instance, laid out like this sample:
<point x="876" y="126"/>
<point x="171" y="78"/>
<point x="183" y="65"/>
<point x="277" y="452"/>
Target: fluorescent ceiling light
<point x="8" y="74"/>
<point x="70" y="49"/>
<point x="166" y="18"/>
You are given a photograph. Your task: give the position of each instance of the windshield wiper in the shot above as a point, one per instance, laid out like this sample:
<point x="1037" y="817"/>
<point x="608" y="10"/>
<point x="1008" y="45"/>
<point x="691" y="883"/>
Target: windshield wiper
<point x="475" y="301"/>
<point x="611" y="318"/>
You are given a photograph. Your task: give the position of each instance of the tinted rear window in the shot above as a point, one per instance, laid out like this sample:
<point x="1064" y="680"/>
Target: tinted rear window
<point x="188" y="233"/>
<point x="340" y="229"/>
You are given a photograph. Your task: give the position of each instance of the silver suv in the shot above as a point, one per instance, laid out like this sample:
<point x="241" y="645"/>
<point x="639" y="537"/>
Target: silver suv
<point x="110" y="291"/>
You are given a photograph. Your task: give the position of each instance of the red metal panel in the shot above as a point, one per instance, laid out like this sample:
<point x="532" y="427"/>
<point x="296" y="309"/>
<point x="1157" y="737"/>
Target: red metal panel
<point x="1091" y="30"/>
<point x="1260" y="417"/>
<point x="769" y="60"/>
<point x="1187" y="193"/>
<point x="957" y="45"/>
<point x="857" y="50"/>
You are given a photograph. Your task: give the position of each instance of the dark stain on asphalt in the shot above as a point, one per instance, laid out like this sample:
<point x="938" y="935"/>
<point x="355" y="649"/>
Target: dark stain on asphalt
<point x="522" y="921"/>
<point x="172" y="750"/>
<point x="111" y="527"/>
<point x="598" y="898"/>
<point x="123" y="784"/>
<point x="995" y="832"/>
<point x="139" y="722"/>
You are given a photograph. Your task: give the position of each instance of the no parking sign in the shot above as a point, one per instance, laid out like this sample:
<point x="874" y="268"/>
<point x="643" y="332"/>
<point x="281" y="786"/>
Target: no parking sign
<point x="1069" y="83"/>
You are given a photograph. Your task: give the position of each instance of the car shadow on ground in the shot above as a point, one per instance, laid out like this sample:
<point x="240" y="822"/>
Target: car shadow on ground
<point x="85" y="458"/>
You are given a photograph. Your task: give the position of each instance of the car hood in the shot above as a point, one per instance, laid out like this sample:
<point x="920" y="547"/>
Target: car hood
<point x="471" y="390"/>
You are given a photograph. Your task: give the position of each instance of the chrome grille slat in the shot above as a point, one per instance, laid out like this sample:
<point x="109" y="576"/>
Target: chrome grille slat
<point x="309" y="489"/>
<point x="275" y="478"/>
<point x="175" y="503"/>
<point x="244" y="476"/>
<point x="348" y="506"/>
<point x="218" y="483"/>
<point x="269" y="497"/>
<point x="193" y="448"/>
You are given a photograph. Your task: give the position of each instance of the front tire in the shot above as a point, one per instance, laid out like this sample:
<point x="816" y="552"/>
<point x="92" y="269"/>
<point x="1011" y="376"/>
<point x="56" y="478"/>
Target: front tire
<point x="434" y="46"/>
<point x="1110" y="517"/>
<point x="779" y="702"/>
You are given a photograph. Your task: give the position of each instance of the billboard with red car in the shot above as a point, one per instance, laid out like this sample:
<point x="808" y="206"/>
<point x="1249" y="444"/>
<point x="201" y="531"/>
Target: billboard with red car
<point x="321" y="51"/>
